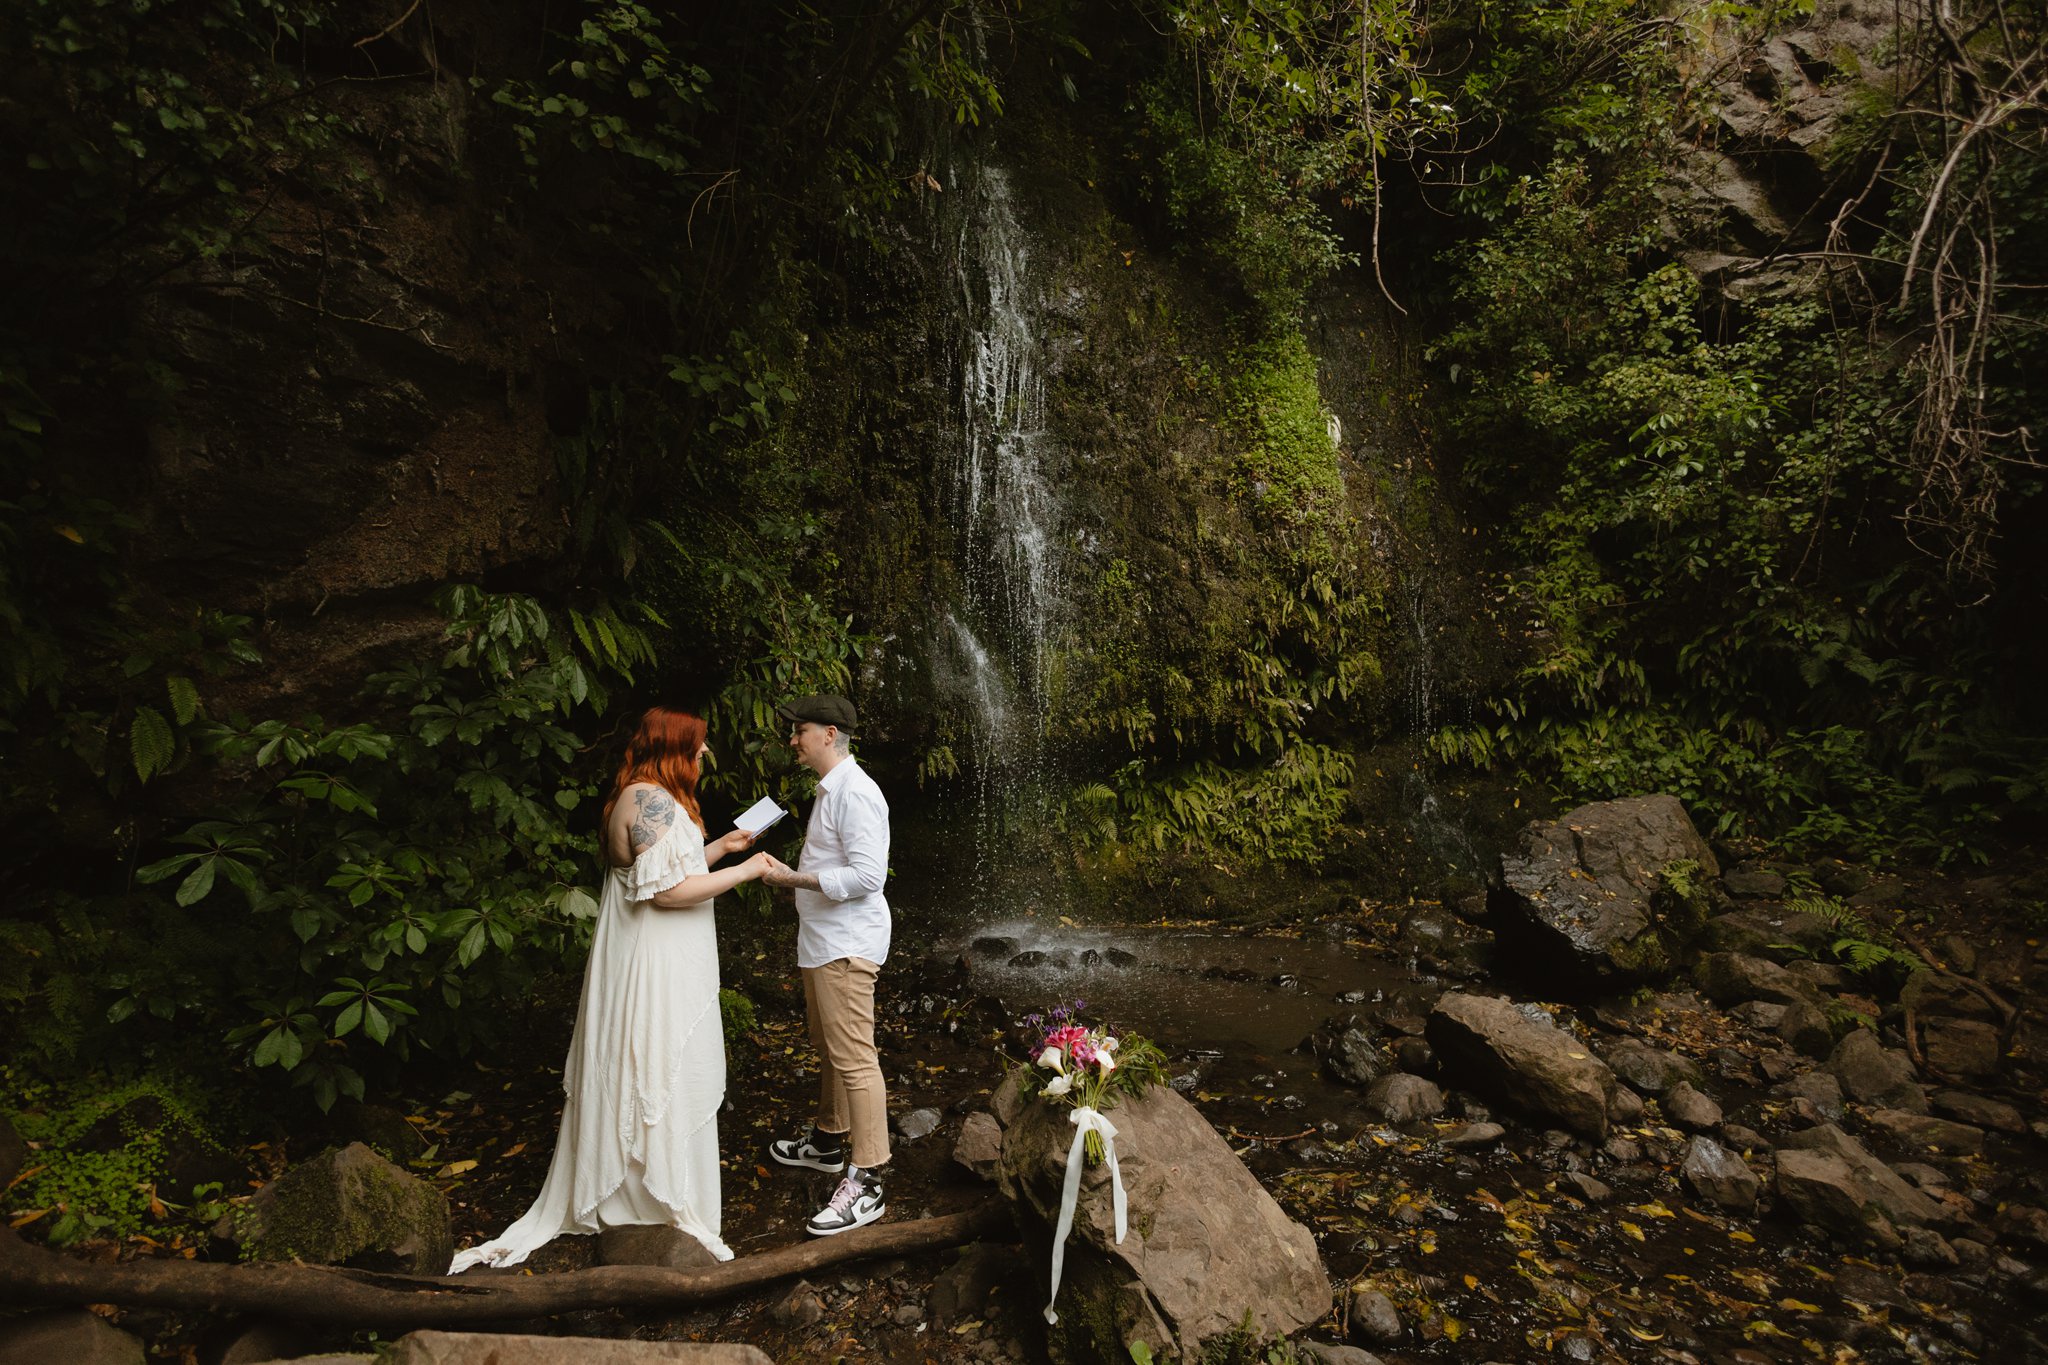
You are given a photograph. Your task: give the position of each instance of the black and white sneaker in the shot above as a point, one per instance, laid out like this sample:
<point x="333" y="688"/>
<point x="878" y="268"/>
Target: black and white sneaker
<point x="856" y="1203"/>
<point x="814" y="1150"/>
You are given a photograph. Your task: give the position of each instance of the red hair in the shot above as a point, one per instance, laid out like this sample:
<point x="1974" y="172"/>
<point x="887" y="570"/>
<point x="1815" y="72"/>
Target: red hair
<point x="663" y="751"/>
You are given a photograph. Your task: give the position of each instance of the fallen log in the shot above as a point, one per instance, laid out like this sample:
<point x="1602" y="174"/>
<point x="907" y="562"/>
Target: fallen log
<point x="335" y="1294"/>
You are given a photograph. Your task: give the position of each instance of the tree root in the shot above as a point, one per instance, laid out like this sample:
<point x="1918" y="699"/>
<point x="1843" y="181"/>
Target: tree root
<point x="324" y="1294"/>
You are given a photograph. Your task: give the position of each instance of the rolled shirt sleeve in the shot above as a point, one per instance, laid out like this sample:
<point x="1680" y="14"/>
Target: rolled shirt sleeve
<point x="864" y="843"/>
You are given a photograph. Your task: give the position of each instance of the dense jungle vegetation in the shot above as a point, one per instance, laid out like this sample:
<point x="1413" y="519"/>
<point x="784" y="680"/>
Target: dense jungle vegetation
<point x="1777" y="554"/>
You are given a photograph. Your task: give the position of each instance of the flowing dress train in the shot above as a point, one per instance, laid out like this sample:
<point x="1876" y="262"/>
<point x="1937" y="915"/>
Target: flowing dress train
<point x="645" y="1074"/>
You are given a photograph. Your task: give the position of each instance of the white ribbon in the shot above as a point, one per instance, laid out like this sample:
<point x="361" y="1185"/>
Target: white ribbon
<point x="1085" y="1121"/>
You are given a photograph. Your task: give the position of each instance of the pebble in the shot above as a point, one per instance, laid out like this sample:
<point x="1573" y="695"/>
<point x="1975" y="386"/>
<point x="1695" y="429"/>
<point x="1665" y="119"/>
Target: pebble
<point x="1374" y="1319"/>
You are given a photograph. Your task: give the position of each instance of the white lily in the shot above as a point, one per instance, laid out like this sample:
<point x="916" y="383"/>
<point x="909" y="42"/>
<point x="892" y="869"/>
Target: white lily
<point x="1058" y="1085"/>
<point x="1105" y="1061"/>
<point x="1108" y="1043"/>
<point x="1052" y="1059"/>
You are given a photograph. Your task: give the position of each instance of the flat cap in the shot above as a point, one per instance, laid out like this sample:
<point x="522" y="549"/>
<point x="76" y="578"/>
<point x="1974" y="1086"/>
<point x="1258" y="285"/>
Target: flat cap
<point x="826" y="709"/>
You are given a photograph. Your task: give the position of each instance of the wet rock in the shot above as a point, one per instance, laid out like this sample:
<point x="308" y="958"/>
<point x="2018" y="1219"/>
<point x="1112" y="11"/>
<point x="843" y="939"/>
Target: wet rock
<point x="1778" y="1067"/>
<point x="1870" y="1073"/>
<point x="1581" y="1346"/>
<point x="1719" y="1175"/>
<point x="1324" y="1353"/>
<point x="918" y="1123"/>
<point x="2025" y="1225"/>
<point x="1978" y="1110"/>
<point x="70" y="1335"/>
<point x="1038" y="957"/>
<point x="1413" y="1055"/>
<point x="1347" y="1051"/>
<point x="1499" y="1051"/>
<point x="1687" y="1108"/>
<point x="1961" y="1047"/>
<point x="1373" y="1316"/>
<point x="1960" y="952"/>
<point x="1822" y="976"/>
<point x="992" y="945"/>
<point x="963" y="1290"/>
<point x="1599" y="891"/>
<point x="1805" y="1028"/>
<point x="348" y="1207"/>
<point x="1765" y="931"/>
<point x="1401" y="1099"/>
<point x="1625" y="1106"/>
<point x="1823" y="1190"/>
<point x="495" y="1348"/>
<point x="1904" y="1205"/>
<point x="1622" y="1150"/>
<point x="1008" y="1102"/>
<point x="1649" y="1070"/>
<point x="1929" y="1178"/>
<point x="1742" y="1139"/>
<point x="1474" y="1135"/>
<point x="802" y="1306"/>
<point x="1208" y="1250"/>
<point x="907" y="1315"/>
<point x="1761" y="1014"/>
<point x="1928" y="1249"/>
<point x="1972" y="1253"/>
<point x="1753" y="883"/>
<point x="1731" y="1065"/>
<point x="669" y="1248"/>
<point x="1091" y="957"/>
<point x="253" y="1340"/>
<point x="1731" y="977"/>
<point x="1934" y="995"/>
<point x="1468" y="1106"/>
<point x="1119" y="957"/>
<point x="1591" y="1190"/>
<point x="1920" y="1132"/>
<point x="1818" y="1088"/>
<point x="980" y="1143"/>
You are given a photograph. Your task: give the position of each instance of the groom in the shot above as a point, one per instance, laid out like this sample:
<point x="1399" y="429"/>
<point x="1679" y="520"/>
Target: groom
<point x="842" y="941"/>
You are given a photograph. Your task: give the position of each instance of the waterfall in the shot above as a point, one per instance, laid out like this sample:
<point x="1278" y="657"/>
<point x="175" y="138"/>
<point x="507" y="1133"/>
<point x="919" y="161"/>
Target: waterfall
<point x="998" y="637"/>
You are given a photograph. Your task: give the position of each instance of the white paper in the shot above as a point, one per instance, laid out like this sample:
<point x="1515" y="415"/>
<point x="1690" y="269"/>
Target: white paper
<point x="759" y="816"/>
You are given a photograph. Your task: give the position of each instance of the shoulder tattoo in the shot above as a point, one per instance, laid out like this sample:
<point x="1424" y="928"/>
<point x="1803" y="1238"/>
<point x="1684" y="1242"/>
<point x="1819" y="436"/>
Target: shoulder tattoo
<point x="654" y="810"/>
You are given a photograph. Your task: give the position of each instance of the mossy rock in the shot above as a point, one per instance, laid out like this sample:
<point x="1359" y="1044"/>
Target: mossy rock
<point x="347" y="1206"/>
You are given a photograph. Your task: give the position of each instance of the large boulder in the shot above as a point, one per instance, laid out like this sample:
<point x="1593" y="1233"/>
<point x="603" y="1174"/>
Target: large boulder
<point x="1206" y="1245"/>
<point x="1495" y="1048"/>
<point x="1614" y="891"/>
<point x="1729" y="978"/>
<point x="1899" y="1201"/>
<point x="70" y="1335"/>
<point x="499" y="1348"/>
<point x="346" y="1207"/>
<point x="1824" y="1190"/>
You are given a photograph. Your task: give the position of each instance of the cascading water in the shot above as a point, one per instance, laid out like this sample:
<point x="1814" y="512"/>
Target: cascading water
<point x="999" y="637"/>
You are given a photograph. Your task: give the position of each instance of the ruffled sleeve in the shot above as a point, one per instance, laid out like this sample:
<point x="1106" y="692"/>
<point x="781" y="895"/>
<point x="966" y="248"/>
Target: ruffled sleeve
<point x="675" y="855"/>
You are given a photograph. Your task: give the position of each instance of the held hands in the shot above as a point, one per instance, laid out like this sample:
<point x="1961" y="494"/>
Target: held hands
<point x="764" y="866"/>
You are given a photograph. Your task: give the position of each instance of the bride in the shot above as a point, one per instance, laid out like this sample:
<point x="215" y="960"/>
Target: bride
<point x="646" y="1068"/>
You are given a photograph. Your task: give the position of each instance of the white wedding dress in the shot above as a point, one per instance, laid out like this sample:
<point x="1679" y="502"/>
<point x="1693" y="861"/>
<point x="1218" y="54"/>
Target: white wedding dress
<point x="646" y="1070"/>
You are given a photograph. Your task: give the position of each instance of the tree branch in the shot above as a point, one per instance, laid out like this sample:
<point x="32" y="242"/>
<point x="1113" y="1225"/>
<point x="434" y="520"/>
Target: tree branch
<point x="324" y="1294"/>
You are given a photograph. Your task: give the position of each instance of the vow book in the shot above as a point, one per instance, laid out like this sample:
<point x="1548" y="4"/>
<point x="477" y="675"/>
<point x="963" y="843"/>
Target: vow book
<point x="757" y="818"/>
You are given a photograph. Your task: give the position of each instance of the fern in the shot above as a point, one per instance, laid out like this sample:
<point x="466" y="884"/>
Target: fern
<point x="150" y="742"/>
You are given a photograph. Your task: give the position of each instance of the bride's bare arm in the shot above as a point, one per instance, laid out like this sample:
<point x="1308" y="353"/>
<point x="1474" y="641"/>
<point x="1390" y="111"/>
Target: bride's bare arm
<point x="696" y="890"/>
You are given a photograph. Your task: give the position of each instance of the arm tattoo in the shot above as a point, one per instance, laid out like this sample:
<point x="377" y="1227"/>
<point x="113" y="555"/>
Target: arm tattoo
<point x="654" y="811"/>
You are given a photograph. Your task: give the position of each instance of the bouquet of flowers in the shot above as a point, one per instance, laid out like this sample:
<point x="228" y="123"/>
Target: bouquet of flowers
<point x="1085" y="1067"/>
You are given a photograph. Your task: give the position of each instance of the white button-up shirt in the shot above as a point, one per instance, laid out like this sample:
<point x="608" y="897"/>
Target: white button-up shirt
<point x="847" y="845"/>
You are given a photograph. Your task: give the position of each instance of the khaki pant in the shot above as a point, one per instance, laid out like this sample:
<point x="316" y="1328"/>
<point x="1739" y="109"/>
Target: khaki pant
<point x="839" y="997"/>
